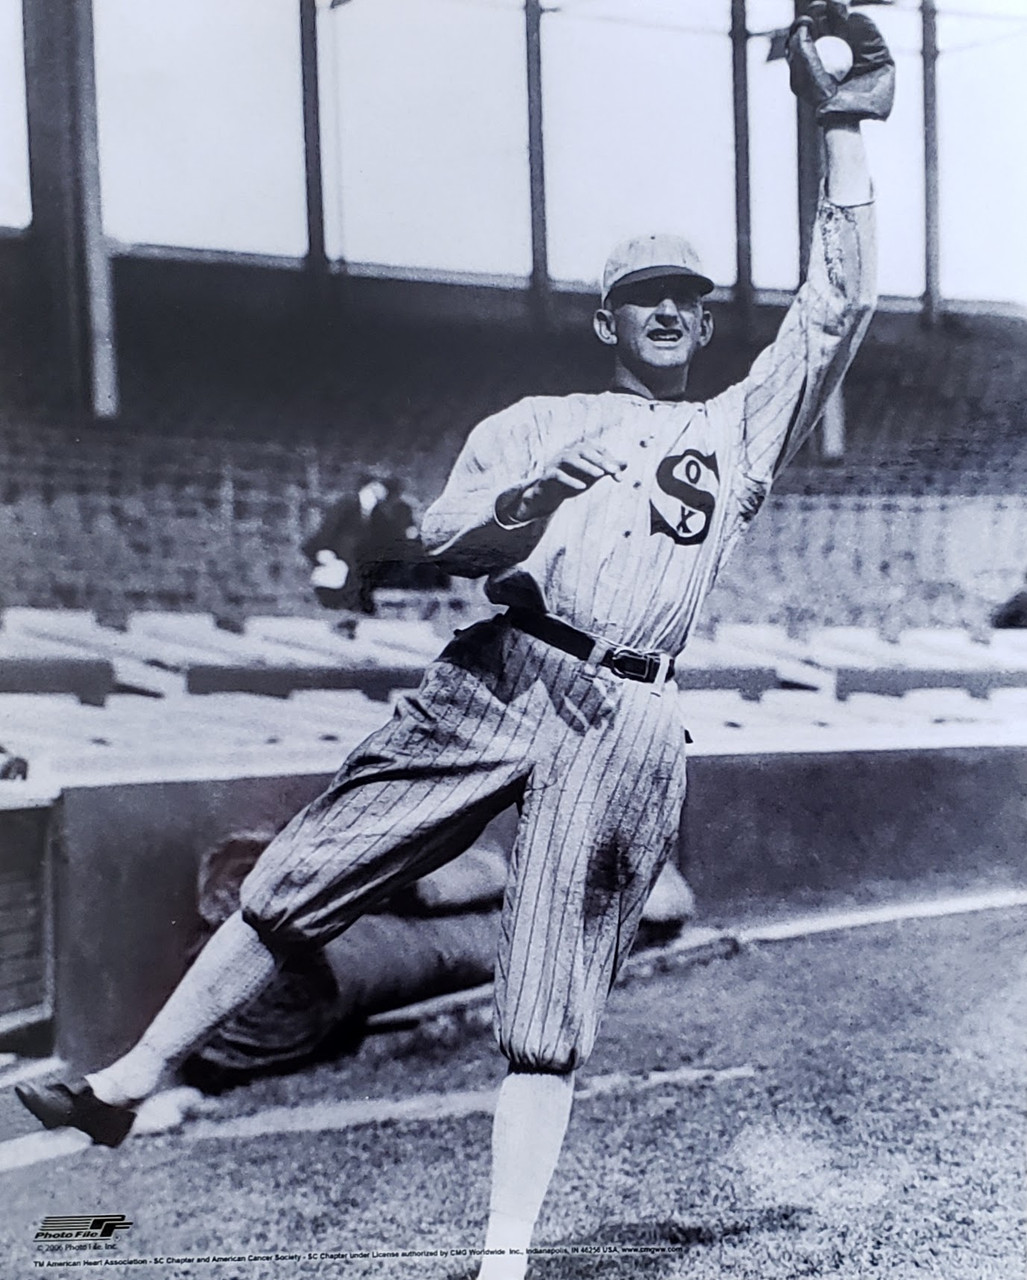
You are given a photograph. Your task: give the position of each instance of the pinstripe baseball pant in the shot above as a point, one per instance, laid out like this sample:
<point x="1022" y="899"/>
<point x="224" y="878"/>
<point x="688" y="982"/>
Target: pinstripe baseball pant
<point x="597" y="767"/>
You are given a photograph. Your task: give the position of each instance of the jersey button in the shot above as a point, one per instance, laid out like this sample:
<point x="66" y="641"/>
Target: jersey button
<point x="637" y="484"/>
<point x="644" y="444"/>
<point x="627" y="533"/>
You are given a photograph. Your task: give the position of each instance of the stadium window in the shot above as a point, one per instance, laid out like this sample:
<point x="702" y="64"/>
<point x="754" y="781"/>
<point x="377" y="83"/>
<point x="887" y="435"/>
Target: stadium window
<point x="200" y="124"/>
<point x="637" y="116"/>
<point x="982" y="115"/>
<point x="772" y="152"/>
<point x="424" y="128"/>
<point x="896" y="156"/>
<point x="896" y="152"/>
<point x="15" y="201"/>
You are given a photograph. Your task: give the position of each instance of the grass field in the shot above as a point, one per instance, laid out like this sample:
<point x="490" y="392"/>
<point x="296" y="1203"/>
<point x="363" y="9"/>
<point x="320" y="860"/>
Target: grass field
<point x="863" y="1114"/>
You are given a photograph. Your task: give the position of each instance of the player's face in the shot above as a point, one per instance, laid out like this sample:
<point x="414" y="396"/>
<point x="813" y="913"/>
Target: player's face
<point x="656" y="325"/>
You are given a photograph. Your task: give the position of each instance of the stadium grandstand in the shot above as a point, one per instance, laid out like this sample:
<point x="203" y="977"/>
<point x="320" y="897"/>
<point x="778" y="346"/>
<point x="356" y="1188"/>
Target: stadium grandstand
<point x="309" y="256"/>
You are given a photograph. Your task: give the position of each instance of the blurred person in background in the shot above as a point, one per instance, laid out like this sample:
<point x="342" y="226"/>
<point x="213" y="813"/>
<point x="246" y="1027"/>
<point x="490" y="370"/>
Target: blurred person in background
<point x="367" y="540"/>
<point x="1013" y="613"/>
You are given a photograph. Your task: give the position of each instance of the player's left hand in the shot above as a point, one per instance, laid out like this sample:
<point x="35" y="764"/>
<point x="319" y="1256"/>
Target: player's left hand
<point x="868" y="91"/>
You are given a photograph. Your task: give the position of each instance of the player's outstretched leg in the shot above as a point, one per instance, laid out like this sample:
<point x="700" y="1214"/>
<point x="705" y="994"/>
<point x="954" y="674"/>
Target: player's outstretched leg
<point x="527" y="1134"/>
<point x="233" y="968"/>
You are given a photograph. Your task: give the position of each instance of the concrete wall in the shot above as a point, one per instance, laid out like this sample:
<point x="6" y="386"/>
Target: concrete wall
<point x="797" y="828"/>
<point x="761" y="832"/>
<point x="24" y="915"/>
<point x="125" y="864"/>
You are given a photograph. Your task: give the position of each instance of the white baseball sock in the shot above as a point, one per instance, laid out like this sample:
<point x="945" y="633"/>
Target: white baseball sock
<point x="527" y="1134"/>
<point x="233" y="968"/>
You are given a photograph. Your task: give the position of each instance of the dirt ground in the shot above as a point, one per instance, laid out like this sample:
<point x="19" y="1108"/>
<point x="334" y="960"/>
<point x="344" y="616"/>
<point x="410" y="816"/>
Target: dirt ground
<point x="864" y="1116"/>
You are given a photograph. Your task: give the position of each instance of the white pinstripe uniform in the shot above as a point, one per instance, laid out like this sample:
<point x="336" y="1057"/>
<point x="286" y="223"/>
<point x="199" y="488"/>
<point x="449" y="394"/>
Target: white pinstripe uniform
<point x="596" y="762"/>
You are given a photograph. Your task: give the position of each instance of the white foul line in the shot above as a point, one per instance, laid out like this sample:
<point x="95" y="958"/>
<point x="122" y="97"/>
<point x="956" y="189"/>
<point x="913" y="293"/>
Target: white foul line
<point x="322" y="1117"/>
<point x="29" y="1070"/>
<point x="703" y="944"/>
<point x="35" y="1148"/>
<point x="804" y="926"/>
<point x="19" y="1153"/>
<point x="326" y="1117"/>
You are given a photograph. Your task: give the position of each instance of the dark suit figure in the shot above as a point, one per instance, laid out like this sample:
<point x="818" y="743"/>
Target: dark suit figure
<point x="368" y="540"/>
<point x="1013" y="613"/>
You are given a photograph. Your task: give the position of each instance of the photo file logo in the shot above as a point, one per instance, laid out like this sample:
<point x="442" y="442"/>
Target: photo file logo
<point x="93" y="1226"/>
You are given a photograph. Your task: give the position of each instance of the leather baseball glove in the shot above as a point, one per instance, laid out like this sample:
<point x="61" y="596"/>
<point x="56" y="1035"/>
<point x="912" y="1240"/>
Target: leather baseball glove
<point x="867" y="92"/>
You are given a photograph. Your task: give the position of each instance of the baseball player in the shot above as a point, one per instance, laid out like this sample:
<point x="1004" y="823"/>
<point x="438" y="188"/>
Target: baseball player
<point x="600" y="522"/>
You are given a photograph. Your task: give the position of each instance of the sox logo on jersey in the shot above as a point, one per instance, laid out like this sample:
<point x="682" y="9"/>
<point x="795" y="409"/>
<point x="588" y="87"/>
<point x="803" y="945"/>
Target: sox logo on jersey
<point x="689" y="484"/>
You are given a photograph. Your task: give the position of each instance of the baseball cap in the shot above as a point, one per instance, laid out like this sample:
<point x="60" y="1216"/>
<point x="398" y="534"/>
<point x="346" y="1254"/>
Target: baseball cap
<point x="651" y="258"/>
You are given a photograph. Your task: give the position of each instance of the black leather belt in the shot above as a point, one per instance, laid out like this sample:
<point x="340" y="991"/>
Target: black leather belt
<point x="629" y="664"/>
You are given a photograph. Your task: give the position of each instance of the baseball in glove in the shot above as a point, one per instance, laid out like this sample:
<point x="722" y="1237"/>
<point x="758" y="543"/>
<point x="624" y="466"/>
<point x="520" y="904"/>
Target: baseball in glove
<point x="867" y="92"/>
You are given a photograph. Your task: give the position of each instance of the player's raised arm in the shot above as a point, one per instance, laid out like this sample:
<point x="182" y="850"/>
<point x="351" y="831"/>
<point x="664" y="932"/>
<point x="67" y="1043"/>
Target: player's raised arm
<point x="791" y="380"/>
<point x="842" y="98"/>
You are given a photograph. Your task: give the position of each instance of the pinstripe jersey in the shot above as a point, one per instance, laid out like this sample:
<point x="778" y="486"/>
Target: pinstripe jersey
<point x="631" y="559"/>
<point x="595" y="763"/>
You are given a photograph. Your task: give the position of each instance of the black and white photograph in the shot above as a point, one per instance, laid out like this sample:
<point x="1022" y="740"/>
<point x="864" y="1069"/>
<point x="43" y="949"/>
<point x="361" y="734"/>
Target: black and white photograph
<point x="513" y="639"/>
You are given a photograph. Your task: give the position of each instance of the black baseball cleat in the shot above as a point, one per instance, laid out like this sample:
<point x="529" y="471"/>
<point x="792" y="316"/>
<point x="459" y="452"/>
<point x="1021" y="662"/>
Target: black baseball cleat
<point x="75" y="1105"/>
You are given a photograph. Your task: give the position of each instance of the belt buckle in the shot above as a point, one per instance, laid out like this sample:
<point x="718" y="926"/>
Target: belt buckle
<point x="631" y="665"/>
